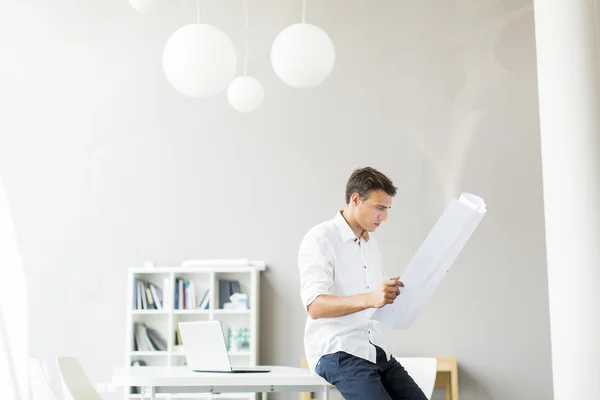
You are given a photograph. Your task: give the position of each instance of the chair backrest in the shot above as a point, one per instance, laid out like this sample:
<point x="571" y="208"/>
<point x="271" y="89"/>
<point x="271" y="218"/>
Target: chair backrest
<point x="423" y="370"/>
<point x="76" y="385"/>
<point x="38" y="380"/>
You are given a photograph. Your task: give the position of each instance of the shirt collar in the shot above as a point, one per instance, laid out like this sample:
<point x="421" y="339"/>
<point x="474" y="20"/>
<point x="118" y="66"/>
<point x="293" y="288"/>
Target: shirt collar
<point x="346" y="232"/>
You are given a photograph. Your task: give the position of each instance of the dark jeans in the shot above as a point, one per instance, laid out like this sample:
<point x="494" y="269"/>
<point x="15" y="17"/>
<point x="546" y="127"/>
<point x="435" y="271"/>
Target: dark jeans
<point x="359" y="379"/>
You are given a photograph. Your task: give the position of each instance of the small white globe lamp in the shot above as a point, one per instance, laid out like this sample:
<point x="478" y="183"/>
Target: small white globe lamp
<point x="142" y="6"/>
<point x="303" y="55"/>
<point x="199" y="60"/>
<point x="245" y="94"/>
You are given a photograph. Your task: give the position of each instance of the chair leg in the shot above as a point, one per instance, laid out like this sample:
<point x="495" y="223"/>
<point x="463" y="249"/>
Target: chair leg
<point x="454" y="384"/>
<point x="306" y="396"/>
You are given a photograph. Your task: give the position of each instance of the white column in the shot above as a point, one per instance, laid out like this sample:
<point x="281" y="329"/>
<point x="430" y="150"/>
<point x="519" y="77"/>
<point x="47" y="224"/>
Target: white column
<point x="568" y="61"/>
<point x="14" y="322"/>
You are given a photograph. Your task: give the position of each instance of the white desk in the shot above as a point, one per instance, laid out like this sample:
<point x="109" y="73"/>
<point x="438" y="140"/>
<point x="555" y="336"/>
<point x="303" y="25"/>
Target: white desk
<point x="183" y="380"/>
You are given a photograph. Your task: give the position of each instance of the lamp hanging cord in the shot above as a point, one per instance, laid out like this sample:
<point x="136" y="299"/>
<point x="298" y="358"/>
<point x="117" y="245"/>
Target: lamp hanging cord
<point x="245" y="37"/>
<point x="303" y="11"/>
<point x="198" y="10"/>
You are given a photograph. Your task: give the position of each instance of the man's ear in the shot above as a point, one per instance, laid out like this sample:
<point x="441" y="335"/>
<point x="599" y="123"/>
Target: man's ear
<point x="355" y="199"/>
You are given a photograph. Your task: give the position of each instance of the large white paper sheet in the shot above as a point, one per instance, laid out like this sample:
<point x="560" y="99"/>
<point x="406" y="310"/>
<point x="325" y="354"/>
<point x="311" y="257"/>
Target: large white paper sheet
<point x="433" y="260"/>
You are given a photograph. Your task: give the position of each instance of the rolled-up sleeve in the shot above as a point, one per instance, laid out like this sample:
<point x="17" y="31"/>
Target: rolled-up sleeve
<point x="316" y="270"/>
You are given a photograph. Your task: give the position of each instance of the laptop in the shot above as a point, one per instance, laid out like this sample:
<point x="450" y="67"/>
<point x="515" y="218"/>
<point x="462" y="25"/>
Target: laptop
<point x="204" y="348"/>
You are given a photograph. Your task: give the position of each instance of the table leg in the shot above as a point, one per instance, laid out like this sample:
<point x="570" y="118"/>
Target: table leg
<point x="152" y="393"/>
<point x="454" y="383"/>
<point x="265" y="396"/>
<point x="326" y="393"/>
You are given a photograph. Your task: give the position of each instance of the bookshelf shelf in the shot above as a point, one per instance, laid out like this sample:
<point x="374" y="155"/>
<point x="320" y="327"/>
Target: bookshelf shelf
<point x="231" y="312"/>
<point x="191" y="312"/>
<point x="149" y="312"/>
<point x="149" y="353"/>
<point x="183" y="294"/>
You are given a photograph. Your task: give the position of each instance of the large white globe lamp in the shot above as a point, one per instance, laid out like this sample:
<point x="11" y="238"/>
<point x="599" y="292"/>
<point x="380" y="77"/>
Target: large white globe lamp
<point x="199" y="60"/>
<point x="303" y="55"/>
<point x="245" y="94"/>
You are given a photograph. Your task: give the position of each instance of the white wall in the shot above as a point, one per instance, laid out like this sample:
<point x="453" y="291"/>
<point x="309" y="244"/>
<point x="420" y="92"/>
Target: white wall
<point x="106" y="166"/>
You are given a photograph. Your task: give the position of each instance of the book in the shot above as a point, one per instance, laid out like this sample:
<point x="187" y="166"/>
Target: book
<point x="147" y="296"/>
<point x="147" y="339"/>
<point x="226" y="289"/>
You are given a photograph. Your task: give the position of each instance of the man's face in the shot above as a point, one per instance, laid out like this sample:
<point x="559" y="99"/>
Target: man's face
<point x="373" y="211"/>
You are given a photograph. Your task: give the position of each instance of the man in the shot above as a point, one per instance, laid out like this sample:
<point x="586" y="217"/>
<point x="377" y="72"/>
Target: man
<point x="342" y="281"/>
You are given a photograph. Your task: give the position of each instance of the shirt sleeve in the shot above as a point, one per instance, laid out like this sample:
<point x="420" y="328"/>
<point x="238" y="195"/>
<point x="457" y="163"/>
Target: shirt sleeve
<point x="316" y="269"/>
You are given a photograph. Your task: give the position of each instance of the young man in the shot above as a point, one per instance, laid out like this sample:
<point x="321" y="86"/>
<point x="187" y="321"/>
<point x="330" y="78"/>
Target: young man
<point x="342" y="280"/>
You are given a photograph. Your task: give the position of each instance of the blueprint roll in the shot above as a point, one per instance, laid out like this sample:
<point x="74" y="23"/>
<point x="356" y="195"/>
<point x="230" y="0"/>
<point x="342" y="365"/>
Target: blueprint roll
<point x="433" y="260"/>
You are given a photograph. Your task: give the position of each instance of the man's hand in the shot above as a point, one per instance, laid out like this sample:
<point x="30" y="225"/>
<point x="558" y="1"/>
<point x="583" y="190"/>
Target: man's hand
<point x="386" y="293"/>
<point x="327" y="306"/>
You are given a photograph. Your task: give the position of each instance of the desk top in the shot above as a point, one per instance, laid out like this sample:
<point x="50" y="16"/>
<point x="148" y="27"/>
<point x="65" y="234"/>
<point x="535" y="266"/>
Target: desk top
<point x="447" y="364"/>
<point x="184" y="376"/>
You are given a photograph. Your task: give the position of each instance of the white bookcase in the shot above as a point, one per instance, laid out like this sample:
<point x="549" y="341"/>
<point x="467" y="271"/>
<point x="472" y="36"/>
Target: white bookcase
<point x="165" y="320"/>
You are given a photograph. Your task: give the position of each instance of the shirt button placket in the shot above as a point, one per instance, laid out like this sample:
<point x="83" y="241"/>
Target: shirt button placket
<point x="362" y="257"/>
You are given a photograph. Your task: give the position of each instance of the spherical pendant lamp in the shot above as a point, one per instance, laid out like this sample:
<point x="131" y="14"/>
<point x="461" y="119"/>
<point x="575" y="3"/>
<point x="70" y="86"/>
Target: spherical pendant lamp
<point x="245" y="94"/>
<point x="303" y="55"/>
<point x="199" y="60"/>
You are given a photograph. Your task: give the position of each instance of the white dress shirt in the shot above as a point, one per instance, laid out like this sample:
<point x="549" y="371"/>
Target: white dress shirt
<point x="333" y="261"/>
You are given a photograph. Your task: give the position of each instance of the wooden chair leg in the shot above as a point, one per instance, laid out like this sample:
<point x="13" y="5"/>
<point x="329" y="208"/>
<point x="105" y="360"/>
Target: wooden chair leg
<point x="454" y="382"/>
<point x="306" y="396"/>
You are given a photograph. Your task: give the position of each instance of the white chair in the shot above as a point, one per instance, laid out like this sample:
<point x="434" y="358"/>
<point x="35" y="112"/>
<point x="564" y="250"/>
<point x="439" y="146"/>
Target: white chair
<point x="423" y="370"/>
<point x="76" y="385"/>
<point x="38" y="380"/>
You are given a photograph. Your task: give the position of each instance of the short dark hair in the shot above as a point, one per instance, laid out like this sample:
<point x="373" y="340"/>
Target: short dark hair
<point x="365" y="180"/>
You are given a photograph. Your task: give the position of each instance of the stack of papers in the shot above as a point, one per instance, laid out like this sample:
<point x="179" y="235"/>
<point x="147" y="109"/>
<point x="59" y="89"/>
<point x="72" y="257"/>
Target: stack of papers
<point x="432" y="261"/>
